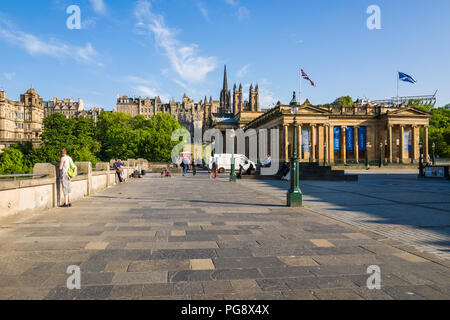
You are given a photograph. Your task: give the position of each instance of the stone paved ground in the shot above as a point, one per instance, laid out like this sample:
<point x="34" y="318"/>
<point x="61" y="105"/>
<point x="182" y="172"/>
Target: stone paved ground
<point x="393" y="204"/>
<point x="191" y="238"/>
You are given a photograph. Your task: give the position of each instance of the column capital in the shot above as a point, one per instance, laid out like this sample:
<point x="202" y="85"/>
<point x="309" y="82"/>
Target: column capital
<point x="313" y="125"/>
<point x="390" y="126"/>
<point x="427" y="127"/>
<point x="344" y="127"/>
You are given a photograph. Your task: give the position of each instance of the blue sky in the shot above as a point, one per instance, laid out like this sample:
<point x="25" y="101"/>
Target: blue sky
<point x="168" y="47"/>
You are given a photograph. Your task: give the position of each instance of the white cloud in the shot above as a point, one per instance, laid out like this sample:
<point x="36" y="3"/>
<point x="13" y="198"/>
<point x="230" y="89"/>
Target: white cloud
<point x="242" y="72"/>
<point x="184" y="58"/>
<point x="233" y="3"/>
<point x="146" y="87"/>
<point x="98" y="6"/>
<point x="9" y="76"/>
<point x="151" y="93"/>
<point x="54" y="48"/>
<point x="203" y="11"/>
<point x="266" y="98"/>
<point x="242" y="12"/>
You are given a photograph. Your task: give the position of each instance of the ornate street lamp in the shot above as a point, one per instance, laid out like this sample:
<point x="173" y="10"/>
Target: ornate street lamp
<point x="233" y="165"/>
<point x="325" y="155"/>
<point x="433" y="151"/>
<point x="213" y="147"/>
<point x="294" y="196"/>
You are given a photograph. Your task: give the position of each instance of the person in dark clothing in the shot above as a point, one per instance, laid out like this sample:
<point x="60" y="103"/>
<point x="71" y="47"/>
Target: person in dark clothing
<point x="241" y="171"/>
<point x="194" y="168"/>
<point x="118" y="166"/>
<point x="250" y="169"/>
<point x="285" y="170"/>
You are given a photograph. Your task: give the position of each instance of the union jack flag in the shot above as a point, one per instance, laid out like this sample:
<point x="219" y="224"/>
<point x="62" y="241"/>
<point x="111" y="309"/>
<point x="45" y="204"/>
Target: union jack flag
<point x="305" y="76"/>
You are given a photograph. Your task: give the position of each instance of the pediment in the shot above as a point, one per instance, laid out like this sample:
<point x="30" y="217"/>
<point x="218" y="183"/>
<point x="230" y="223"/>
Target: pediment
<point x="311" y="110"/>
<point x="408" y="112"/>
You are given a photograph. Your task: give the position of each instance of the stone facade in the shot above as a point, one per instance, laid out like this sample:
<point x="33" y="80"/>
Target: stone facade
<point x="323" y="132"/>
<point x="67" y="107"/>
<point x="191" y="115"/>
<point x="21" y="121"/>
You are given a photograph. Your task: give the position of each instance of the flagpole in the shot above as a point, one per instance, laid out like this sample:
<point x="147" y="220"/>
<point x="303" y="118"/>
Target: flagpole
<point x="300" y="92"/>
<point x="398" y="77"/>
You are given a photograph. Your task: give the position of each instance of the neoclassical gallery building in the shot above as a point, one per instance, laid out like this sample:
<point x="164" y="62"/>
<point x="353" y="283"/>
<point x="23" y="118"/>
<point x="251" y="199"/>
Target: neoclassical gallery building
<point x="349" y="135"/>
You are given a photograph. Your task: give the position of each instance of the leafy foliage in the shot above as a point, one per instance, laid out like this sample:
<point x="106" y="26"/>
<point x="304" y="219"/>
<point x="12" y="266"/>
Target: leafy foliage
<point x="345" y="101"/>
<point x="11" y="162"/>
<point x="439" y="133"/>
<point x="114" y="135"/>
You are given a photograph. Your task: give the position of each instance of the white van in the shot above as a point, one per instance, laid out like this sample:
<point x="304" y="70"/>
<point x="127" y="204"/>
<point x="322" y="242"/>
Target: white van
<point x="224" y="162"/>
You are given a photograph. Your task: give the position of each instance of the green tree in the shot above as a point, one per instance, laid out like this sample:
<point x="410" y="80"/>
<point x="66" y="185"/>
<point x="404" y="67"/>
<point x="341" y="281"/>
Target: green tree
<point x="11" y="162"/>
<point x="439" y="133"/>
<point x="345" y="101"/>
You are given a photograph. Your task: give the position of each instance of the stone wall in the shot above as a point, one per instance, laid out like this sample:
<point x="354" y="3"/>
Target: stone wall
<point x="40" y="193"/>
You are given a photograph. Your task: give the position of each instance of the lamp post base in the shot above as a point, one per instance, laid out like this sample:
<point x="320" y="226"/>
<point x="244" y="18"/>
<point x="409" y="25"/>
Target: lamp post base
<point x="294" y="198"/>
<point x="233" y="177"/>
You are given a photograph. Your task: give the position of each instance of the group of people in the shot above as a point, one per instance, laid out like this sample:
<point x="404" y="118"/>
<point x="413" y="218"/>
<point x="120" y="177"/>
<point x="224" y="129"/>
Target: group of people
<point x="118" y="167"/>
<point x="185" y="166"/>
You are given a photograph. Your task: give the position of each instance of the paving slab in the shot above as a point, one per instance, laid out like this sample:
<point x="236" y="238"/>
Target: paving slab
<point x="147" y="240"/>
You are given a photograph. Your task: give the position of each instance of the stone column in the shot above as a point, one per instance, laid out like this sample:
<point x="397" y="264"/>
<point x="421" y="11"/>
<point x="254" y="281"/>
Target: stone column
<point x="330" y="144"/>
<point x="425" y="144"/>
<point x="344" y="144"/>
<point x="415" y="144"/>
<point x="321" y="142"/>
<point x="313" y="142"/>
<point x="391" y="153"/>
<point x="286" y="143"/>
<point x="402" y="143"/>
<point x="356" y="143"/>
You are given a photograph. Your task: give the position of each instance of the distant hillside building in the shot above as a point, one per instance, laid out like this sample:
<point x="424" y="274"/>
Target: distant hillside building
<point x="203" y="114"/>
<point x="67" y="107"/>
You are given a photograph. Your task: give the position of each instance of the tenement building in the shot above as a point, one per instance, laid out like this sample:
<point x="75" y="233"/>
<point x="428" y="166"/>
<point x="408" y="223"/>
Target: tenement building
<point x="21" y="121"/>
<point x="67" y="107"/>
<point x="225" y="113"/>
<point x="349" y="134"/>
<point x="70" y="108"/>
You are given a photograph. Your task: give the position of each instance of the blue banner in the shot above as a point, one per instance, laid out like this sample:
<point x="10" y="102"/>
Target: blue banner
<point x="305" y="140"/>
<point x="337" y="138"/>
<point x="362" y="134"/>
<point x="407" y="142"/>
<point x="349" y="138"/>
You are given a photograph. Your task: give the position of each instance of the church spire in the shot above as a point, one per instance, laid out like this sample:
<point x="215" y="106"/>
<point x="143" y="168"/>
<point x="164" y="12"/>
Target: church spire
<point x="225" y="79"/>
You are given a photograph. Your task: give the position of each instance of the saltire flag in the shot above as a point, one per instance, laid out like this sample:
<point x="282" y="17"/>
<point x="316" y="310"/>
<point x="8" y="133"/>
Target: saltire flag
<point x="406" y="78"/>
<point x="305" y="76"/>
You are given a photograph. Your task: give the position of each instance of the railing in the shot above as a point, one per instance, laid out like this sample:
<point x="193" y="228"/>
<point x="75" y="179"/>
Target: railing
<point x="24" y="176"/>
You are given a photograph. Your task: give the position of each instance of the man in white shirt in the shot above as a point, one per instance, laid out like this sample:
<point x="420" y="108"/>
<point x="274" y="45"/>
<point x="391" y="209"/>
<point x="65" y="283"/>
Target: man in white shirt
<point x="268" y="162"/>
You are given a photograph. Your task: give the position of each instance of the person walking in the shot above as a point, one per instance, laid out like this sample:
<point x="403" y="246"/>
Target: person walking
<point x="184" y="165"/>
<point x="64" y="166"/>
<point x="214" y="169"/>
<point x="118" y="166"/>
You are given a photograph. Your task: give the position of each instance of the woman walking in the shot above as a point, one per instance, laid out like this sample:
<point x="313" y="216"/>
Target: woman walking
<point x="64" y="166"/>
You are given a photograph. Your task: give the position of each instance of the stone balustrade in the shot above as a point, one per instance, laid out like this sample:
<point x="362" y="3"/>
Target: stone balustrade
<point x="45" y="191"/>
